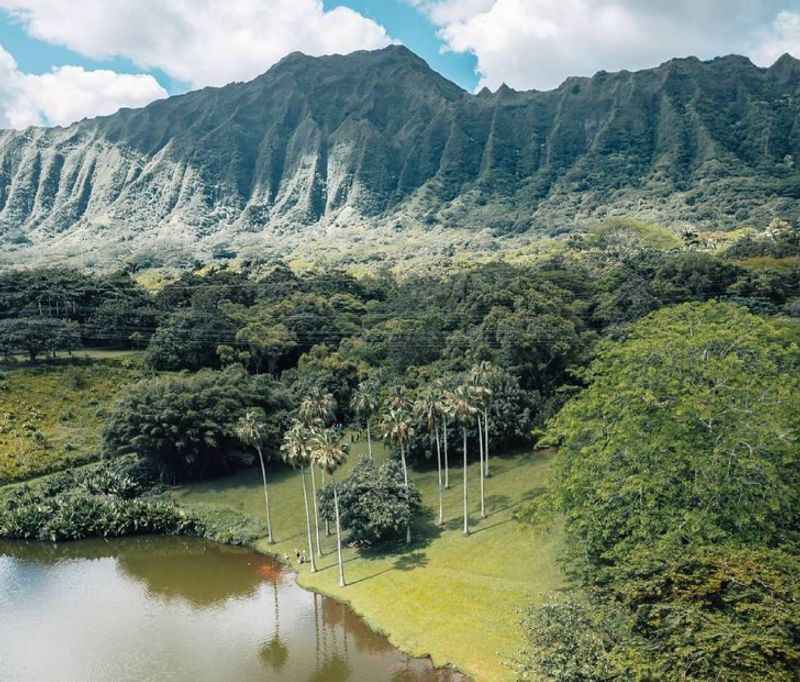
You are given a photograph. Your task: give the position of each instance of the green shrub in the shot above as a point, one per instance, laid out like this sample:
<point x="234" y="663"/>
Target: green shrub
<point x="102" y="501"/>
<point x="374" y="504"/>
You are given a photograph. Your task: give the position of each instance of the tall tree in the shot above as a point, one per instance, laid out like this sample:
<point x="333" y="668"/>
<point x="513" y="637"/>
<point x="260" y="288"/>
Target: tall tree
<point x="483" y="378"/>
<point x="365" y="404"/>
<point x="397" y="427"/>
<point x="296" y="452"/>
<point x="481" y="395"/>
<point x="316" y="412"/>
<point x="250" y="430"/>
<point x="445" y="405"/>
<point x="329" y="452"/>
<point x="465" y="411"/>
<point x="426" y="407"/>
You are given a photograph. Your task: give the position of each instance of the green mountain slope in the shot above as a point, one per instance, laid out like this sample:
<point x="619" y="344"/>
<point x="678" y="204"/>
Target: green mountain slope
<point x="375" y="146"/>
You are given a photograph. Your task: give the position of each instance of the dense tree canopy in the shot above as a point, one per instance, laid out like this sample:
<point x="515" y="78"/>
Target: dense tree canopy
<point x="679" y="476"/>
<point x="187" y="426"/>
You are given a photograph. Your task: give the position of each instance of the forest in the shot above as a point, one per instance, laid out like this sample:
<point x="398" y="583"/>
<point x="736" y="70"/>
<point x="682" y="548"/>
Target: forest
<point x="664" y="375"/>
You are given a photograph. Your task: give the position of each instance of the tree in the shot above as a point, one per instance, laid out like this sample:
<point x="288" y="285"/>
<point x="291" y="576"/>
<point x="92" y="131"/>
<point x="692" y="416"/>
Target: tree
<point x="426" y="407"/>
<point x="679" y="478"/>
<point x="188" y="339"/>
<point x="445" y="408"/>
<point x="484" y="378"/>
<point x="185" y="426"/>
<point x="329" y="452"/>
<point x="396" y="427"/>
<point x="297" y="453"/>
<point x="37" y="335"/>
<point x="251" y="430"/>
<point x="316" y="412"/>
<point x="464" y="410"/>
<point x="265" y="339"/>
<point x="687" y="430"/>
<point x="376" y="505"/>
<point x="365" y="404"/>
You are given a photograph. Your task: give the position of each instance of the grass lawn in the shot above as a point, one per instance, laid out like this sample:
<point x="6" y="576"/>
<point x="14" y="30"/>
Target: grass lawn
<point x="448" y="596"/>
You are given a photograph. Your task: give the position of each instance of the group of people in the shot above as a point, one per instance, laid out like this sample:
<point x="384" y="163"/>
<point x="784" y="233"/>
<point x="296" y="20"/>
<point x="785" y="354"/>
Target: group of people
<point x="300" y="555"/>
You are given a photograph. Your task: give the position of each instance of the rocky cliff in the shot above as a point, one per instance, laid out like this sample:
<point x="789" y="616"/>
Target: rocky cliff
<point x="378" y="143"/>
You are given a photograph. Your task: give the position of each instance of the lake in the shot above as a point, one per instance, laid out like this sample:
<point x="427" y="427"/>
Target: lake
<point x="179" y="609"/>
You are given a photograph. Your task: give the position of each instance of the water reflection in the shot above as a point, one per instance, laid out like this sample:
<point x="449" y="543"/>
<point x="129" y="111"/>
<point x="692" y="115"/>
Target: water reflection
<point x="179" y="609"/>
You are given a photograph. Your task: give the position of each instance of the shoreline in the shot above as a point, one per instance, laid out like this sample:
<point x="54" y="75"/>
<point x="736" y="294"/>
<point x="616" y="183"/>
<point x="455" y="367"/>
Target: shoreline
<point x="461" y="676"/>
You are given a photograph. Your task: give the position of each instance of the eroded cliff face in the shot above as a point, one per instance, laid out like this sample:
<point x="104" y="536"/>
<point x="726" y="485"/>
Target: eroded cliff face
<point x="377" y="140"/>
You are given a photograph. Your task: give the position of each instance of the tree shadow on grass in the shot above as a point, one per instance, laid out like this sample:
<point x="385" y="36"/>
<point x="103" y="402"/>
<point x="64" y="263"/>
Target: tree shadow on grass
<point x="497" y="504"/>
<point x="404" y="562"/>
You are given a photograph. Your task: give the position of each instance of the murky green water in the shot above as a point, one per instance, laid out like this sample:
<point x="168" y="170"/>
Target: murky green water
<point x="178" y="609"/>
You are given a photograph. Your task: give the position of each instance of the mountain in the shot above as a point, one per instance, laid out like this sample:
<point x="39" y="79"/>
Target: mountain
<point x="374" y="149"/>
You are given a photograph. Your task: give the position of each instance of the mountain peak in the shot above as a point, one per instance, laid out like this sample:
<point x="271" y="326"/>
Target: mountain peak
<point x="376" y="139"/>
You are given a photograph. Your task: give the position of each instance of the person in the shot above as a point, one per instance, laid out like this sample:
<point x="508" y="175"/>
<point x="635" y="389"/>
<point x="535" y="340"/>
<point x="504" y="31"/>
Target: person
<point x="303" y="557"/>
<point x="297" y="553"/>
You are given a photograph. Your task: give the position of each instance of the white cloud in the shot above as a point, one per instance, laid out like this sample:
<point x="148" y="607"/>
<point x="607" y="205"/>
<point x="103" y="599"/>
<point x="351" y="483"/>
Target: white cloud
<point x="538" y="43"/>
<point x="67" y="94"/>
<point x="783" y="37"/>
<point x="200" y="42"/>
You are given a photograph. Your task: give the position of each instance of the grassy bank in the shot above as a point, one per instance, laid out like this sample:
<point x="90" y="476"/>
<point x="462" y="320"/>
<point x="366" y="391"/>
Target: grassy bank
<point x="448" y="596"/>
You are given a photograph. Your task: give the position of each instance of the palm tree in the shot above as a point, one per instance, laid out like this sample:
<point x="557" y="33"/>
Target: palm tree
<point x="329" y="452"/>
<point x="465" y="411"/>
<point x="397" y="398"/>
<point x="317" y="407"/>
<point x="446" y="410"/>
<point x="481" y="395"/>
<point x="250" y="430"/>
<point x="427" y="408"/>
<point x="316" y="412"/>
<point x="365" y="403"/>
<point x="485" y="376"/>
<point x="295" y="448"/>
<point x="396" y="427"/>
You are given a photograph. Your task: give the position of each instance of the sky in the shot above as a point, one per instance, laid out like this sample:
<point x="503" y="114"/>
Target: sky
<point x="63" y="60"/>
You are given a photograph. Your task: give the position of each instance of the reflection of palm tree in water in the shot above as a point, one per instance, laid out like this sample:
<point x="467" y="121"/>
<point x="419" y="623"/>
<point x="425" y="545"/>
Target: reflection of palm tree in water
<point x="333" y="665"/>
<point x="275" y="652"/>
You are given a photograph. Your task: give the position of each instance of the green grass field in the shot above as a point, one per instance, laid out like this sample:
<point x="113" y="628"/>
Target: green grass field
<point x="452" y="597"/>
<point x="51" y="416"/>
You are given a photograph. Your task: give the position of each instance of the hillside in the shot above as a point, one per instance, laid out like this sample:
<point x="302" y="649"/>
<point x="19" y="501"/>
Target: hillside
<point x="375" y="147"/>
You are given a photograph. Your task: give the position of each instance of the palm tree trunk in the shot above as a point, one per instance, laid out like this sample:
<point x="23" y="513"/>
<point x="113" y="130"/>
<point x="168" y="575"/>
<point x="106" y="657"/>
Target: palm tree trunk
<point x="327" y="523"/>
<point x="369" y="440"/>
<point x="316" y="509"/>
<point x="446" y="462"/>
<point x="308" y="522"/>
<point x="439" y="467"/>
<point x="466" y="512"/>
<point x="338" y="536"/>
<point x="266" y="495"/>
<point x="486" y="436"/>
<point x="405" y="479"/>
<point x="482" y="470"/>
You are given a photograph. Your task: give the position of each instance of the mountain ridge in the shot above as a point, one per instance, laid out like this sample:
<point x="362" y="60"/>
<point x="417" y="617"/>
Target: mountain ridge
<point x="376" y="145"/>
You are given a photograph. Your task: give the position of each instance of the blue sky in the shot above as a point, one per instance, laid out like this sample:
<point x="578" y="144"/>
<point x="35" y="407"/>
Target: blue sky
<point x="403" y="22"/>
<point x="62" y="60"/>
<point x="413" y="28"/>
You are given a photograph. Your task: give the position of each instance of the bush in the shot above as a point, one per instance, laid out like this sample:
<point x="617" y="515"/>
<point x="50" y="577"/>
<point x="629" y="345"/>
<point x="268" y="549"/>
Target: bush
<point x="101" y="501"/>
<point x="374" y="505"/>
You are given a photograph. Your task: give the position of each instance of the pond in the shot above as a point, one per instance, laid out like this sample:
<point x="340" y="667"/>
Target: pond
<point x="179" y="609"/>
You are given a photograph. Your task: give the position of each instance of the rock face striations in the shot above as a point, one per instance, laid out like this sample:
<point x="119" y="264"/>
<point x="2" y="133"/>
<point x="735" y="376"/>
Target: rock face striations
<point x="379" y="141"/>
